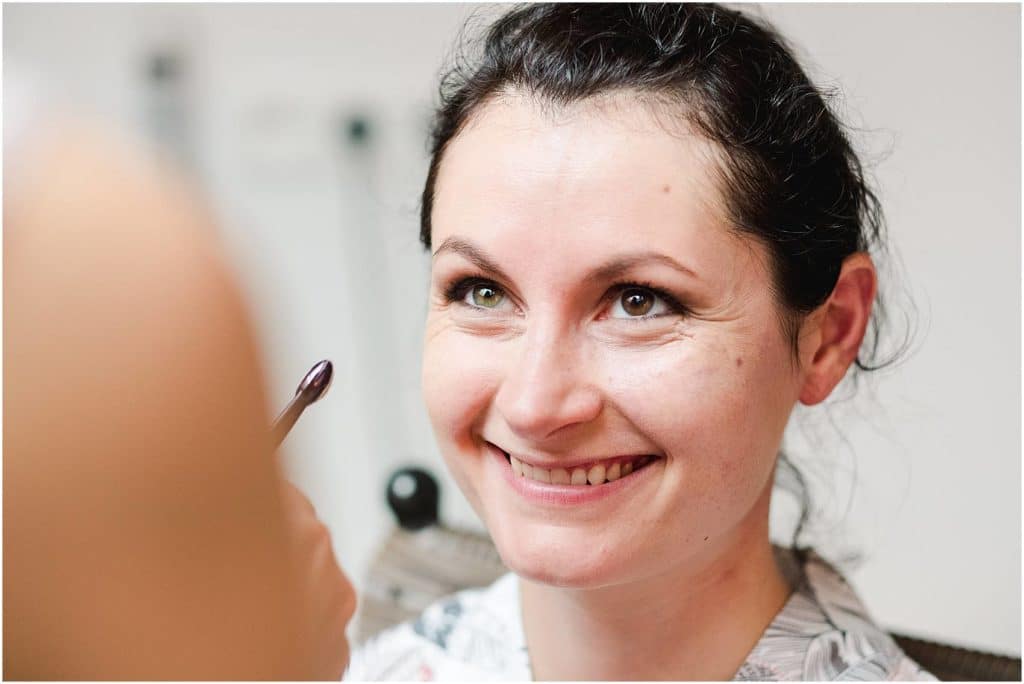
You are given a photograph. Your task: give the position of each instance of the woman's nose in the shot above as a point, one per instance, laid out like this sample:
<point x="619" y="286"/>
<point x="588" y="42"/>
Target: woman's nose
<point x="547" y="388"/>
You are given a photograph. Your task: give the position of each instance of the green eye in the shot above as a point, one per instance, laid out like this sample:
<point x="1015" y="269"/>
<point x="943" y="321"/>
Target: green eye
<point x="486" y="296"/>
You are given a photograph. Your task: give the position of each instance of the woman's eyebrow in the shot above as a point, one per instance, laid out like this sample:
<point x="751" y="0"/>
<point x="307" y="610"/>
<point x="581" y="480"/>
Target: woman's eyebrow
<point x="610" y="270"/>
<point x="473" y="253"/>
<point x="620" y="265"/>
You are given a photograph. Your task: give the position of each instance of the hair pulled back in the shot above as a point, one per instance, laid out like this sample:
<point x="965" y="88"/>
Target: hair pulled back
<point x="790" y="177"/>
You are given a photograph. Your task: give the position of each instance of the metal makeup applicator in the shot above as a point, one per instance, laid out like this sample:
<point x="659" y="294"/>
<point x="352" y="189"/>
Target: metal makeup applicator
<point x="313" y="387"/>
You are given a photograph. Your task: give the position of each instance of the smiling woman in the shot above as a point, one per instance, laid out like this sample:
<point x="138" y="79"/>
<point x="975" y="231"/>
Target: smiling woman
<point x="650" y="240"/>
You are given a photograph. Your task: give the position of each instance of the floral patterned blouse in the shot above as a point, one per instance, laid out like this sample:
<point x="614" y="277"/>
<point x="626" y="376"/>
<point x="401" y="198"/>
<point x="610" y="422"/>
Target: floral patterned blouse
<point x="822" y="632"/>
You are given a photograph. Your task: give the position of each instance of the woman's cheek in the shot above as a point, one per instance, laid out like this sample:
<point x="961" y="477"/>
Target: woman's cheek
<point x="673" y="394"/>
<point x="460" y="375"/>
<point x="696" y="405"/>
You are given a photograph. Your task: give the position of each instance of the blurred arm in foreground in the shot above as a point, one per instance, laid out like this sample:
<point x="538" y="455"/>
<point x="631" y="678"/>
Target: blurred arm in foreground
<point x="148" y="533"/>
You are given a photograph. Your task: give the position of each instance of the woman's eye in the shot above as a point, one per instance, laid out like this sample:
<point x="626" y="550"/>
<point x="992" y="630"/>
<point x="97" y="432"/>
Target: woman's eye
<point x="636" y="302"/>
<point x="485" y="296"/>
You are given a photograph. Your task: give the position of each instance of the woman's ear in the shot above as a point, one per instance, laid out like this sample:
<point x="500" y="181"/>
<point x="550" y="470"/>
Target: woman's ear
<point x="832" y="334"/>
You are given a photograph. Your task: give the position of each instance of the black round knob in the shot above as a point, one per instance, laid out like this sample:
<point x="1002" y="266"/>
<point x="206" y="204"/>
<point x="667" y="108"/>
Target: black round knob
<point x="414" y="496"/>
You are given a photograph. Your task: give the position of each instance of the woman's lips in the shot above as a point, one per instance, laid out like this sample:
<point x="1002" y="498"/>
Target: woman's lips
<point x="582" y="484"/>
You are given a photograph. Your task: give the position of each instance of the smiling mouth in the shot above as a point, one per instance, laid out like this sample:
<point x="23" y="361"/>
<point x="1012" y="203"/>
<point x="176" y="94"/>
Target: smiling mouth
<point x="590" y="476"/>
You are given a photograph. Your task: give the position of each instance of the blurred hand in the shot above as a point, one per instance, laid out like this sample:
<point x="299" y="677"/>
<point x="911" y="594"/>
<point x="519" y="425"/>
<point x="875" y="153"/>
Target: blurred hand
<point x="327" y="595"/>
<point x="147" y="531"/>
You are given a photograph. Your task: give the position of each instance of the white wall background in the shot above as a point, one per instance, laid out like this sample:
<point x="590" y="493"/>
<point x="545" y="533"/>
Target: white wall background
<point x="926" y="461"/>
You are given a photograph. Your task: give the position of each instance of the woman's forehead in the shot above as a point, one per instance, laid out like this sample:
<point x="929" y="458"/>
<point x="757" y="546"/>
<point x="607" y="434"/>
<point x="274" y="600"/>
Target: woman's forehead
<point x="520" y="145"/>
<point x="584" y="179"/>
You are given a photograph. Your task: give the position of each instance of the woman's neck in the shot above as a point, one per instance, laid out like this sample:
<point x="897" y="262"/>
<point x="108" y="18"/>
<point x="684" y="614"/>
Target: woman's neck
<point x="698" y="621"/>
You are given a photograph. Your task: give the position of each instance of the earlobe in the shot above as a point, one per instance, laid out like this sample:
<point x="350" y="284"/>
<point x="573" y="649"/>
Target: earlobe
<point x="837" y="328"/>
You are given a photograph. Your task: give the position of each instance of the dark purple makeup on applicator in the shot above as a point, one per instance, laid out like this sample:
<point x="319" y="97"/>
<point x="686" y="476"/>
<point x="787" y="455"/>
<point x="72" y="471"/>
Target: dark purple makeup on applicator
<point x="313" y="386"/>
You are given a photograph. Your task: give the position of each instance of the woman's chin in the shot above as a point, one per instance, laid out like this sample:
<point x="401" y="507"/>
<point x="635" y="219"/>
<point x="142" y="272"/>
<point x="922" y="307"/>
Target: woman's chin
<point x="576" y="564"/>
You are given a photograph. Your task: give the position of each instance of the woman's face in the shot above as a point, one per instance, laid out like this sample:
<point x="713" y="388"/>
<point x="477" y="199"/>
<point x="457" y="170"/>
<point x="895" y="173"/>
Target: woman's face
<point x="592" y="317"/>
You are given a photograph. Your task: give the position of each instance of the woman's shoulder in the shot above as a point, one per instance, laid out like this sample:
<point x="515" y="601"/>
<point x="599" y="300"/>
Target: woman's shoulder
<point x="473" y="634"/>
<point x="825" y="633"/>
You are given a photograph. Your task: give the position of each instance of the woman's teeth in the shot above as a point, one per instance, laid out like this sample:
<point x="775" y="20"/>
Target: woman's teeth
<point x="594" y="475"/>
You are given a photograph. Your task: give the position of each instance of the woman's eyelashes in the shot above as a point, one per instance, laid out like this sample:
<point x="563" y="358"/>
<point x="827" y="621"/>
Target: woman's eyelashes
<point x="632" y="301"/>
<point x="643" y="301"/>
<point x="477" y="293"/>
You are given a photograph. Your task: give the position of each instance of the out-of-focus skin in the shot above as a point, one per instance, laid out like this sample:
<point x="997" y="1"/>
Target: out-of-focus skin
<point x="148" y="533"/>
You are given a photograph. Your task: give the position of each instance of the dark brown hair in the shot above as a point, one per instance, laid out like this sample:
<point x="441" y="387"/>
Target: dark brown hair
<point x="789" y="176"/>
